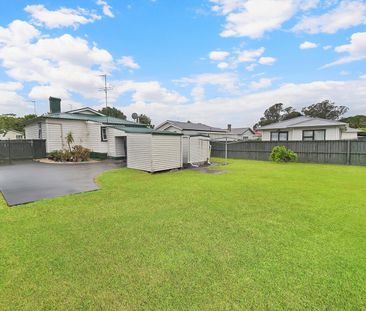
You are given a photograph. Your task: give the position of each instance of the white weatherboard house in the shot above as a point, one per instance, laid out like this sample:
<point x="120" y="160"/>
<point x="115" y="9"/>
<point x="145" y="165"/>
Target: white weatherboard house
<point x="308" y="129"/>
<point x="144" y="148"/>
<point x="11" y="134"/>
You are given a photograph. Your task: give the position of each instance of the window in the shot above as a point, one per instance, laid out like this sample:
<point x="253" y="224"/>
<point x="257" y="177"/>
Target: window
<point x="19" y="137"/>
<point x="103" y="133"/>
<point x="279" y="136"/>
<point x="39" y="130"/>
<point x="311" y="135"/>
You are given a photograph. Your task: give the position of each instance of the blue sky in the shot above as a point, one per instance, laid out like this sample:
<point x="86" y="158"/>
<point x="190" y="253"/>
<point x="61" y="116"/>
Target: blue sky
<point x="213" y="61"/>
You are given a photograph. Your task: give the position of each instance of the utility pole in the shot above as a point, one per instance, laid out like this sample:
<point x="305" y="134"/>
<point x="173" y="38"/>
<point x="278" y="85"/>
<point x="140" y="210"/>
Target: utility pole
<point x="34" y="105"/>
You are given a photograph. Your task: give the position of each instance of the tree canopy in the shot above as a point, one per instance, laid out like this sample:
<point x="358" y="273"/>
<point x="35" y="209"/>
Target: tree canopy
<point x="113" y="112"/>
<point x="358" y="121"/>
<point x="12" y="122"/>
<point x="277" y="113"/>
<point x="144" y="119"/>
<point x="325" y="110"/>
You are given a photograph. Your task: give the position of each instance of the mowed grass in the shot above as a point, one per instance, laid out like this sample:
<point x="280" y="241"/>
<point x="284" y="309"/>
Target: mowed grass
<point x="263" y="236"/>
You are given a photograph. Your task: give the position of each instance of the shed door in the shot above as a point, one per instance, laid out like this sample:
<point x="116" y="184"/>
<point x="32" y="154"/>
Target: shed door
<point x="54" y="137"/>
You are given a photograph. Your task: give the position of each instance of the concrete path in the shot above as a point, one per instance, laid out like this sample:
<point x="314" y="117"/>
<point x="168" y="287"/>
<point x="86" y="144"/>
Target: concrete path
<point x="31" y="181"/>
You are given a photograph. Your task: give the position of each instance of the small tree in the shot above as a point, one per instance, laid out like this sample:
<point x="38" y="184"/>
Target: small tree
<point x="283" y="154"/>
<point x="69" y="140"/>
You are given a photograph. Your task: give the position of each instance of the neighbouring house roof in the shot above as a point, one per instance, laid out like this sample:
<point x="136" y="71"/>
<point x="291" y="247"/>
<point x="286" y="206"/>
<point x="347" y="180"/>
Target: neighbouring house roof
<point x="352" y="130"/>
<point x="143" y="130"/>
<point x="302" y="121"/>
<point x="96" y="117"/>
<point x="193" y="126"/>
<point x="241" y="130"/>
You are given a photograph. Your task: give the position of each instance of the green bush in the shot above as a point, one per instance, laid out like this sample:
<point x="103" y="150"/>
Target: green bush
<point x="80" y="154"/>
<point x="77" y="154"/>
<point x="55" y="155"/>
<point x="283" y="154"/>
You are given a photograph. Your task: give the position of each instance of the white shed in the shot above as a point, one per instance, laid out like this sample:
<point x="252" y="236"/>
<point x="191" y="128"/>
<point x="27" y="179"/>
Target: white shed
<point x="154" y="151"/>
<point x="196" y="150"/>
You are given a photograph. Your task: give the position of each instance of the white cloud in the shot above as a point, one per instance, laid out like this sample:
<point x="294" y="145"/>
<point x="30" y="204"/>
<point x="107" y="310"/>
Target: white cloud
<point x="17" y="33"/>
<point x="128" y="62"/>
<point x="63" y="17"/>
<point x="356" y="50"/>
<point x="253" y="18"/>
<point x="308" y="45"/>
<point x="147" y="92"/>
<point x="251" y="67"/>
<point x="107" y="9"/>
<point x="218" y="55"/>
<point x="261" y="84"/>
<point x="347" y="14"/>
<point x="63" y="65"/>
<point x="327" y="47"/>
<point x="10" y="101"/>
<point x="267" y="60"/>
<point x="247" y="109"/>
<point x="223" y="65"/>
<point x="11" y="86"/>
<point x="226" y="82"/>
<point x="249" y="55"/>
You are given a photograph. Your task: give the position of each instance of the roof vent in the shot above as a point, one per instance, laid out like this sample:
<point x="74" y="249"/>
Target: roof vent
<point x="55" y="104"/>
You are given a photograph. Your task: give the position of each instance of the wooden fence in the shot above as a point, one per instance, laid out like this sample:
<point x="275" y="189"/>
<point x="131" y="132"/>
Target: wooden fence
<point x="336" y="152"/>
<point x="22" y="149"/>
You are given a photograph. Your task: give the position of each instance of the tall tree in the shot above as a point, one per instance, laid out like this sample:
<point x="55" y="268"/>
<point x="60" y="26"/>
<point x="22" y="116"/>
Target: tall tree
<point x="113" y="112"/>
<point x="358" y="121"/>
<point x="325" y="110"/>
<point x="144" y="119"/>
<point x="277" y="113"/>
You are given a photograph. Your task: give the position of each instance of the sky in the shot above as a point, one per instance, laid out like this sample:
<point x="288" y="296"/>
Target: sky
<point x="213" y="61"/>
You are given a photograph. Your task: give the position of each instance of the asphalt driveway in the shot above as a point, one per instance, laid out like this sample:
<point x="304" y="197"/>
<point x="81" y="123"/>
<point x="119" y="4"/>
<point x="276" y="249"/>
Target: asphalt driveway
<point x="31" y="181"/>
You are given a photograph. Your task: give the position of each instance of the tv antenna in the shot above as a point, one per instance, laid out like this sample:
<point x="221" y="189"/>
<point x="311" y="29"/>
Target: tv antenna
<point x="105" y="89"/>
<point x="34" y="105"/>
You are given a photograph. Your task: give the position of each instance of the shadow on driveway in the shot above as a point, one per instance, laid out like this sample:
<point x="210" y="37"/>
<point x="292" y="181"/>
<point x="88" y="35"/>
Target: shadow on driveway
<point x="31" y="181"/>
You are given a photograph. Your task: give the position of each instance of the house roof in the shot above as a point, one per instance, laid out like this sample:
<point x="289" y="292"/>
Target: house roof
<point x="194" y="126"/>
<point x="145" y="130"/>
<point x="302" y="121"/>
<point x="241" y="130"/>
<point x="95" y="116"/>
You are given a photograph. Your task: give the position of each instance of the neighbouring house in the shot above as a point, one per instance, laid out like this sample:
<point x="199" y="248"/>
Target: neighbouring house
<point x="192" y="129"/>
<point x="308" y="129"/>
<point x="214" y="133"/>
<point x="240" y="133"/>
<point x="145" y="148"/>
<point x="11" y="134"/>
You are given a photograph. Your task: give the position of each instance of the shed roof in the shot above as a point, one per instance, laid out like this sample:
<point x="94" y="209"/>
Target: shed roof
<point x="302" y="121"/>
<point x="140" y="130"/>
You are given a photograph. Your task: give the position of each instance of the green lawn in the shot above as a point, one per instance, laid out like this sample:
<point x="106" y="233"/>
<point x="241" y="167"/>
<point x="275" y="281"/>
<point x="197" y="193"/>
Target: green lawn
<point x="263" y="236"/>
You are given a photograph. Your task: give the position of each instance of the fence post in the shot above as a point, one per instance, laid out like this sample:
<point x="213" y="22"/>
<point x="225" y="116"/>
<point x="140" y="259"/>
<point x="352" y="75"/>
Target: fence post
<point x="9" y="151"/>
<point x="348" y="152"/>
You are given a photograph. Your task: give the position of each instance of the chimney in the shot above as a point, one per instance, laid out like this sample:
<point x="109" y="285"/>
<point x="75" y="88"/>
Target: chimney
<point x="55" y="104"/>
<point x="229" y="127"/>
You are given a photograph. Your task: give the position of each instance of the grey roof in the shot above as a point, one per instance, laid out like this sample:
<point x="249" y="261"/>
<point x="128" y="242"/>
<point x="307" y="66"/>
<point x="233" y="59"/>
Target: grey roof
<point x="195" y="126"/>
<point x="302" y="121"/>
<point x="141" y="130"/>
<point x="241" y="130"/>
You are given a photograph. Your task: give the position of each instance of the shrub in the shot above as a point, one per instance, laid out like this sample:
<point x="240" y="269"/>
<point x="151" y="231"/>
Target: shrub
<point x="283" y="154"/>
<point x="55" y="155"/>
<point x="80" y="153"/>
<point x="77" y="154"/>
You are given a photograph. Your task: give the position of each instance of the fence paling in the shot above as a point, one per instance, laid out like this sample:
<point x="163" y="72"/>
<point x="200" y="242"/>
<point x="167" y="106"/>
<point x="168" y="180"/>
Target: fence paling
<point x="22" y="149"/>
<point x="338" y="152"/>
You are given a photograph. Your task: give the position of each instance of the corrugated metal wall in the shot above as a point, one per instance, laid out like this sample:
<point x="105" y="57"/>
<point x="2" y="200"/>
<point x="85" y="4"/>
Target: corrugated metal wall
<point x="336" y="152"/>
<point x="22" y="150"/>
